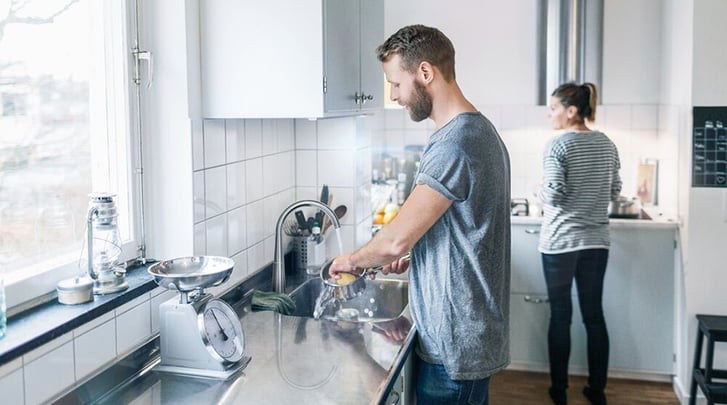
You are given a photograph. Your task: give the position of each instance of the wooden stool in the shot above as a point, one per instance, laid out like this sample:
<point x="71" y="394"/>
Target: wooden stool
<point x="714" y="328"/>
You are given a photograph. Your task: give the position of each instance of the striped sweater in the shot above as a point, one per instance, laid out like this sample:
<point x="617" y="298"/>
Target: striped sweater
<point x="580" y="177"/>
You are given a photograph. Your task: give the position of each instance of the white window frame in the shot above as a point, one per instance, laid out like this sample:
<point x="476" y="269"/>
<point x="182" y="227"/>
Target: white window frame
<point x="114" y="116"/>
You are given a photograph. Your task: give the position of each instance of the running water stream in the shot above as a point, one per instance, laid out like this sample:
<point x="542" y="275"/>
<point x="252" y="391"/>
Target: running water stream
<point x="325" y="298"/>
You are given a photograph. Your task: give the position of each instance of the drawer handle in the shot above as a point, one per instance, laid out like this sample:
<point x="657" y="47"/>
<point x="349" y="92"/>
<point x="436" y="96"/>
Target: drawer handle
<point x="536" y="300"/>
<point x="532" y="231"/>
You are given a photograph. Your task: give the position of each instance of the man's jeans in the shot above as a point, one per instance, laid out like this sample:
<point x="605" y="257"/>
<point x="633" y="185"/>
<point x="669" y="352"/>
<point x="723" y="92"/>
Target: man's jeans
<point x="434" y="386"/>
<point x="588" y="268"/>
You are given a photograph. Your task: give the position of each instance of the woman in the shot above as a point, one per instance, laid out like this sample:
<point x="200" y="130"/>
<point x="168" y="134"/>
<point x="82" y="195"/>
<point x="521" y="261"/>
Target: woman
<point x="580" y="177"/>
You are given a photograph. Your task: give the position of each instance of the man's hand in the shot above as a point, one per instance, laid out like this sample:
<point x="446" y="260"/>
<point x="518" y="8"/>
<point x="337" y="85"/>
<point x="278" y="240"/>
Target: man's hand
<point x="398" y="266"/>
<point x="342" y="264"/>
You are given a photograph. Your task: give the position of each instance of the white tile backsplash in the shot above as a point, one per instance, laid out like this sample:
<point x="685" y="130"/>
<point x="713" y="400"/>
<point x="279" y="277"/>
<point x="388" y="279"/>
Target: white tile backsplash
<point x="306" y="134"/>
<point x="253" y="138"/>
<point x="133" y="324"/>
<point x="336" y="167"/>
<point x="216" y="235"/>
<point x="94" y="348"/>
<point x="513" y="116"/>
<point x="492" y="112"/>
<point x="256" y="257"/>
<point x="10" y="367"/>
<point x="305" y="168"/>
<point x="278" y="172"/>
<point x="88" y="326"/>
<point x="240" y="271"/>
<point x="255" y="222"/>
<point x="197" y="145"/>
<point x="214" y="143"/>
<point x="525" y="130"/>
<point x="616" y="116"/>
<point x="235" y="135"/>
<point x="46" y="376"/>
<point x="198" y="192"/>
<point x="254" y="179"/>
<point x="277" y="136"/>
<point x="47" y="348"/>
<point x="337" y="134"/>
<point x="394" y="117"/>
<point x="215" y="186"/>
<point x="12" y="383"/>
<point x="200" y="239"/>
<point x="644" y="117"/>
<point x="344" y="196"/>
<point x="236" y="185"/>
<point x="236" y="231"/>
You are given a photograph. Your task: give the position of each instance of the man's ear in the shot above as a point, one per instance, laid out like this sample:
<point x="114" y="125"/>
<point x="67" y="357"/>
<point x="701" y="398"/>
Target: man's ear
<point x="425" y="72"/>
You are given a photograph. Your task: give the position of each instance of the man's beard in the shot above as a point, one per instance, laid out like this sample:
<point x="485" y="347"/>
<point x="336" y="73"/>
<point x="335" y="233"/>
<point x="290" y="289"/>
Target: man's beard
<point x="421" y="108"/>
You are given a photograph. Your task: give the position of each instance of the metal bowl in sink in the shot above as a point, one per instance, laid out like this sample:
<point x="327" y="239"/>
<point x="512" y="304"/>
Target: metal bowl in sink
<point x="381" y="300"/>
<point x="186" y="274"/>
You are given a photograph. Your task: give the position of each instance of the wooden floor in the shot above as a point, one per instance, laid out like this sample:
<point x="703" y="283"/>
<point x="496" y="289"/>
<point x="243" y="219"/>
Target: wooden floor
<point x="526" y="388"/>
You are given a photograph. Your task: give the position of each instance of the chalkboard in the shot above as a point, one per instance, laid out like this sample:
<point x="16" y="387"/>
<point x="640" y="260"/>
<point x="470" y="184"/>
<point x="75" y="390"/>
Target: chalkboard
<point x="709" y="147"/>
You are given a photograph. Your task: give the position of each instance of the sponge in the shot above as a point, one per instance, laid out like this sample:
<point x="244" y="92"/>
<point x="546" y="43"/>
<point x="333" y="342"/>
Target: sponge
<point x="272" y="301"/>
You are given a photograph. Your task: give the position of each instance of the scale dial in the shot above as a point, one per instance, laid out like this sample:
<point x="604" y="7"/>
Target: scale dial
<point x="221" y="331"/>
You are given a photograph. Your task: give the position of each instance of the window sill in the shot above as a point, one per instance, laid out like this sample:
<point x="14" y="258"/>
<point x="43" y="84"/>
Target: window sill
<point x="33" y="328"/>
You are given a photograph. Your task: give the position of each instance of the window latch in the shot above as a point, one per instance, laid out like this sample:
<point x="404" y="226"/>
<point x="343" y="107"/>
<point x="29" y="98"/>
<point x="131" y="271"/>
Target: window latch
<point x="140" y="55"/>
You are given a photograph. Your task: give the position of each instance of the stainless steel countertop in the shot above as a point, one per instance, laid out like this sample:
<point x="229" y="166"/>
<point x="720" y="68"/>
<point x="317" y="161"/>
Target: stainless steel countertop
<point x="294" y="360"/>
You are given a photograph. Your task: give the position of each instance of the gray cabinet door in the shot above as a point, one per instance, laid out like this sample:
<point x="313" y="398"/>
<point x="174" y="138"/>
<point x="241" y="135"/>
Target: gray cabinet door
<point x="342" y="54"/>
<point x="638" y="300"/>
<point x="372" y="35"/>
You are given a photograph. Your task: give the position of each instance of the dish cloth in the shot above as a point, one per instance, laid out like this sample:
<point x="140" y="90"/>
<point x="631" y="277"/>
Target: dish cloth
<point x="272" y="301"/>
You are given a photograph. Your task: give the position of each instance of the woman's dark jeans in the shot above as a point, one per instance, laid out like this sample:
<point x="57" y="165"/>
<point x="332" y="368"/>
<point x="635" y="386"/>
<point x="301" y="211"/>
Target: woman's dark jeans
<point x="588" y="268"/>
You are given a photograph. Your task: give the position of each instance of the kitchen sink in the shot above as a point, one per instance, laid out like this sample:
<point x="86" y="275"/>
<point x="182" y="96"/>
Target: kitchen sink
<point x="381" y="300"/>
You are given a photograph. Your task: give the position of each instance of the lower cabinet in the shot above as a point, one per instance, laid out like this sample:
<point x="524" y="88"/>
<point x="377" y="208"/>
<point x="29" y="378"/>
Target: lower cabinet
<point x="638" y="303"/>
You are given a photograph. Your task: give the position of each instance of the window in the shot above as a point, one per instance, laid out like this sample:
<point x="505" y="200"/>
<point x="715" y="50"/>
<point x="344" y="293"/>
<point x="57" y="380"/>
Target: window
<point x="65" y="132"/>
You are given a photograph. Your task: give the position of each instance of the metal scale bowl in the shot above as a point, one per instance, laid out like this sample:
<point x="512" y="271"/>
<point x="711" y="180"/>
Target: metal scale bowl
<point x="200" y="335"/>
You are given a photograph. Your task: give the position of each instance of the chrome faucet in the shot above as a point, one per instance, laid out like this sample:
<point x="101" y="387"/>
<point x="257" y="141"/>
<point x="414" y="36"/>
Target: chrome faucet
<point x="278" y="265"/>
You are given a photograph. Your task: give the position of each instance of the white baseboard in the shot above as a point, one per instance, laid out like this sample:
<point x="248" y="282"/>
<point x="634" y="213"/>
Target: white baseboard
<point x="612" y="373"/>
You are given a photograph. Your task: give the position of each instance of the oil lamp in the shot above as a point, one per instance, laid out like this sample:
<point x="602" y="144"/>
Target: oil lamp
<point x="102" y="246"/>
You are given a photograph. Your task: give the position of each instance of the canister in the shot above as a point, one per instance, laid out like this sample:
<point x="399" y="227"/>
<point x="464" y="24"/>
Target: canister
<point x="75" y="290"/>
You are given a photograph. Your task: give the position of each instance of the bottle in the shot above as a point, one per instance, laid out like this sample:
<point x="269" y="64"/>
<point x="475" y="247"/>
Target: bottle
<point x="3" y="317"/>
<point x="316" y="233"/>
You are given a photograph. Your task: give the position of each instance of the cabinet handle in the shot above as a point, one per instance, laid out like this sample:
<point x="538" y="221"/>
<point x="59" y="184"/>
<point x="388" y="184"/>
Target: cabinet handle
<point x="535" y="300"/>
<point x="532" y="231"/>
<point x="362" y="98"/>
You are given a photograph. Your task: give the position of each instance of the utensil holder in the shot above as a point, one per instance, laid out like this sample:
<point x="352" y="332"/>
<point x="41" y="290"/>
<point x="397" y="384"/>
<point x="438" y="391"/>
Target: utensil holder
<point x="309" y="253"/>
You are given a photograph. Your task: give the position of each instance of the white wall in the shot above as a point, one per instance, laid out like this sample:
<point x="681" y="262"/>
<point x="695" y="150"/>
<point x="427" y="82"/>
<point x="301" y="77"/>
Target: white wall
<point x="706" y="211"/>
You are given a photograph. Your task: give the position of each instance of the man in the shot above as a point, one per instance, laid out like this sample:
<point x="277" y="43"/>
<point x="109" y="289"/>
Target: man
<point x="455" y="223"/>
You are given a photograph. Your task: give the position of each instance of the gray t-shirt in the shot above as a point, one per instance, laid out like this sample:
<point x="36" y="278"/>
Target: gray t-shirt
<point x="460" y="277"/>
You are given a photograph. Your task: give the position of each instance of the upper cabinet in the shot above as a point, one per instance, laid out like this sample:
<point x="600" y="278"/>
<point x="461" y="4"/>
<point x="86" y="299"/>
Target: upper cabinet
<point x="632" y="51"/>
<point x="290" y="58"/>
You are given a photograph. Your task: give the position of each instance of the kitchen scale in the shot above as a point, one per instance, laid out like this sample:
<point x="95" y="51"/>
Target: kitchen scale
<point x="199" y="334"/>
